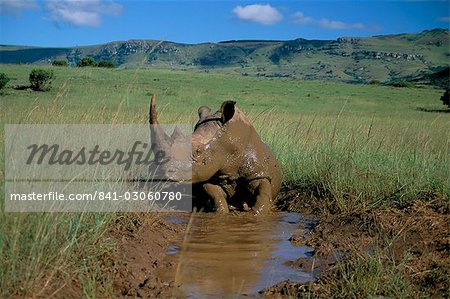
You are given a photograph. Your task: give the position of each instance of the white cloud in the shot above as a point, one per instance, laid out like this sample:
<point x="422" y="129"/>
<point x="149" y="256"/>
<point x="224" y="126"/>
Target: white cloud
<point x="330" y="24"/>
<point x="258" y="13"/>
<point x="301" y="19"/>
<point x="15" y="7"/>
<point x="80" y="12"/>
<point x="444" y="19"/>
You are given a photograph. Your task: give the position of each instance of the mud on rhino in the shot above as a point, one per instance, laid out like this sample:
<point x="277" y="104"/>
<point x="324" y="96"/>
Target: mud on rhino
<point x="231" y="166"/>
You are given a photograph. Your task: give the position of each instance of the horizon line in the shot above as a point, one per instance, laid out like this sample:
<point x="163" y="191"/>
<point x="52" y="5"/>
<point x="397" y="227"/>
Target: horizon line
<point x="217" y="42"/>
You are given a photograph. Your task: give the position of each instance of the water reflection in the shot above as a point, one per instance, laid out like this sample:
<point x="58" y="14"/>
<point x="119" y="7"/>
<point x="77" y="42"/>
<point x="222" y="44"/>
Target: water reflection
<point x="237" y="254"/>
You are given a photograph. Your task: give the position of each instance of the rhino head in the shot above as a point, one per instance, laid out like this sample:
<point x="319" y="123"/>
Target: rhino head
<point x="172" y="152"/>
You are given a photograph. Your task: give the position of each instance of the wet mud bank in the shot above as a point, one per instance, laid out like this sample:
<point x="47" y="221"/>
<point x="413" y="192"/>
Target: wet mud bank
<point x="302" y="250"/>
<point x="393" y="252"/>
<point x="142" y="243"/>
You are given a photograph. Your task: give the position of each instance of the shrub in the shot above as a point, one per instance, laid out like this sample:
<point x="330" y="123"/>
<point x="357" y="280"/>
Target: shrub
<point x="41" y="79"/>
<point x="445" y="98"/>
<point x="60" y="63"/>
<point x="375" y="82"/>
<point x="4" y="79"/>
<point x="87" y="61"/>
<point x="402" y="83"/>
<point x="107" y="64"/>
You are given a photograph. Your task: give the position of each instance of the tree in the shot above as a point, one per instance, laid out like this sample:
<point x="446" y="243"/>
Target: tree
<point x="4" y="79"/>
<point x="60" y="63"/>
<point x="107" y="64"/>
<point x="87" y="61"/>
<point x="402" y="83"/>
<point x="41" y="79"/>
<point x="445" y="98"/>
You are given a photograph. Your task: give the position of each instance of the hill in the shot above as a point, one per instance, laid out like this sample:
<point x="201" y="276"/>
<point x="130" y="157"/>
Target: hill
<point x="348" y="59"/>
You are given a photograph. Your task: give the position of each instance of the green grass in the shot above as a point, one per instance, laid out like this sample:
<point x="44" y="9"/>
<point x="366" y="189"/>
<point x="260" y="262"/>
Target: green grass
<point x="43" y="252"/>
<point x="365" y="145"/>
<point x="369" y="276"/>
<point x="363" y="161"/>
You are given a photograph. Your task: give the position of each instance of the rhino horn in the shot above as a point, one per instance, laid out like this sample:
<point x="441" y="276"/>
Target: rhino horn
<point x="159" y="138"/>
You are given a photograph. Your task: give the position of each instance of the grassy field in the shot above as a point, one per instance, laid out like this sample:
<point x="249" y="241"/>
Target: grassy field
<point x="362" y="146"/>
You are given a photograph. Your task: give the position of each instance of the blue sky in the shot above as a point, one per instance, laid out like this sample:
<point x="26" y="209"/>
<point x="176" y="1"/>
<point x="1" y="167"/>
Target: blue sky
<point x="87" y="22"/>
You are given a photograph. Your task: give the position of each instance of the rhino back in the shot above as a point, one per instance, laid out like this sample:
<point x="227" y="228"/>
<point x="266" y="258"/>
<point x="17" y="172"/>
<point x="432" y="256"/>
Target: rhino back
<point x="250" y="156"/>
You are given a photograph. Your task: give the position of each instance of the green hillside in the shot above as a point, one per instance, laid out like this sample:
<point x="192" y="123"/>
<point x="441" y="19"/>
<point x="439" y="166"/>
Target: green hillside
<point x="356" y="60"/>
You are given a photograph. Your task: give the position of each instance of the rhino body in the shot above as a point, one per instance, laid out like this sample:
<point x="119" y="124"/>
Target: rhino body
<point x="231" y="165"/>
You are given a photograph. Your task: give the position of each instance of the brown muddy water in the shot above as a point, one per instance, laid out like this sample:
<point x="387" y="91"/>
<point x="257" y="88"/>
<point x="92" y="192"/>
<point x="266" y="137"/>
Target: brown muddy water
<point x="228" y="256"/>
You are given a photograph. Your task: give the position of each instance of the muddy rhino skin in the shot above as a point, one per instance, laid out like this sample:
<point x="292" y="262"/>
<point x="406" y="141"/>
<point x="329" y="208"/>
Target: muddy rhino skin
<point x="230" y="163"/>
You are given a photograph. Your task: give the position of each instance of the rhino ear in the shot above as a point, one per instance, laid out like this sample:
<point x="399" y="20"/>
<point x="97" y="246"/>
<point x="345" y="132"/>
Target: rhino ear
<point x="203" y="112"/>
<point x="227" y="110"/>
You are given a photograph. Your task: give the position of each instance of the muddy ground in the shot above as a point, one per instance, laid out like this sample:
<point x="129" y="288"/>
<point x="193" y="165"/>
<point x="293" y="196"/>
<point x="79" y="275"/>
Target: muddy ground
<point x="416" y="236"/>
<point x="143" y="241"/>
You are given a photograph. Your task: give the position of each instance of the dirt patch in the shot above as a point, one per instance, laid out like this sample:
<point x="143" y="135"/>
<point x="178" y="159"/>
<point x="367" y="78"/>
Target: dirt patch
<point x="417" y="235"/>
<point x="142" y="246"/>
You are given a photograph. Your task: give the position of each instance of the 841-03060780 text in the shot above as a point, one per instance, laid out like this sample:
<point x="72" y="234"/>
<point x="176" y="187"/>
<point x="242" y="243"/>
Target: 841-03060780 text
<point x="99" y="195"/>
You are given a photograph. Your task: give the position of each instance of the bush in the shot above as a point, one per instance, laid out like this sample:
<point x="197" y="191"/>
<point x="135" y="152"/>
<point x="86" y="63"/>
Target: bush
<point x="4" y="79"/>
<point x="87" y="61"/>
<point x="375" y="82"/>
<point x="59" y="63"/>
<point x="41" y="79"/>
<point x="107" y="64"/>
<point x="445" y="98"/>
<point x="402" y="83"/>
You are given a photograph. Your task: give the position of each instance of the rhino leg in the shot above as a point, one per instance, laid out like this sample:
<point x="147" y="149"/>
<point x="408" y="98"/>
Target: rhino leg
<point x="261" y="189"/>
<point x="218" y="195"/>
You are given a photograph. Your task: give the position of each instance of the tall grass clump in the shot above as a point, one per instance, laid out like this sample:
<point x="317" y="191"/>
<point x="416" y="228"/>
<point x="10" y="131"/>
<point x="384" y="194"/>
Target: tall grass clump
<point x="362" y="162"/>
<point x="368" y="276"/>
<point x="43" y="253"/>
<point x="55" y="254"/>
